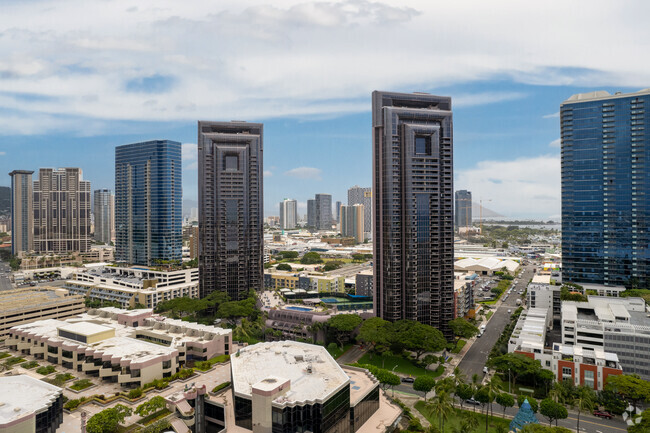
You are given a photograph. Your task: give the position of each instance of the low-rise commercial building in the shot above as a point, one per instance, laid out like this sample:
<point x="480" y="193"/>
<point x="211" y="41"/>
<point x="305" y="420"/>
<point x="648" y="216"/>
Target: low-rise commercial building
<point x="575" y="363"/>
<point x="130" y="347"/>
<point x="486" y="266"/>
<point x="618" y="325"/>
<point x="29" y="405"/>
<point x="132" y="286"/>
<point x="276" y="280"/>
<point x="27" y="305"/>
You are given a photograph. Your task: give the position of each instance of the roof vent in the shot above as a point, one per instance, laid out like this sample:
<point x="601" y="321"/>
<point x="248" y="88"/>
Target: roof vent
<point x="309" y="369"/>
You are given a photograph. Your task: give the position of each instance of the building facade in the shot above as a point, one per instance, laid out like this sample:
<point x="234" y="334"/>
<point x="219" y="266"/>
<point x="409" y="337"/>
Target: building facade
<point x="311" y="213"/>
<point x="231" y="227"/>
<point x="463" y="215"/>
<point x="361" y="195"/>
<point x="323" y="211"/>
<point x="148" y="202"/>
<point x="352" y="222"/>
<point x="605" y="193"/>
<point x="29" y="405"/>
<point x="103" y="210"/>
<point x="413" y="208"/>
<point x="61" y="211"/>
<point x="337" y="210"/>
<point x="22" y="211"/>
<point x="288" y="214"/>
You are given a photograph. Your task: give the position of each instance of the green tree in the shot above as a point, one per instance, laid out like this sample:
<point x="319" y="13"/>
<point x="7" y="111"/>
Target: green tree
<point x="375" y="332"/>
<point x="284" y="267"/>
<point x="468" y="422"/>
<point x="552" y="410"/>
<point x="505" y="400"/>
<point x="387" y="378"/>
<point x="233" y="310"/>
<point x="583" y="401"/>
<point x="417" y="337"/>
<point x="341" y="326"/>
<point x="441" y="406"/>
<point x="311" y="258"/>
<point x="464" y="392"/>
<point x="462" y="328"/>
<point x="485" y="397"/>
<point x="641" y="423"/>
<point x="148" y="407"/>
<point x="358" y="257"/>
<point x="108" y="420"/>
<point x="629" y="386"/>
<point x="332" y="265"/>
<point x="538" y="428"/>
<point x="289" y="255"/>
<point x="514" y="364"/>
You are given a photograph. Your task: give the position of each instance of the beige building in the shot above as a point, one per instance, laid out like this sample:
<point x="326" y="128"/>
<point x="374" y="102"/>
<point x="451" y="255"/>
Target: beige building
<point x="27" y="305"/>
<point x="22" y="211"/>
<point x="27" y="403"/>
<point x="137" y="285"/>
<point x="129" y="347"/>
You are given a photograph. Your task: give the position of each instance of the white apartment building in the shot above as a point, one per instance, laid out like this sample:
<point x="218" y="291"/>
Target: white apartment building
<point x="618" y="325"/>
<point x="541" y="294"/>
<point x="135" y="285"/>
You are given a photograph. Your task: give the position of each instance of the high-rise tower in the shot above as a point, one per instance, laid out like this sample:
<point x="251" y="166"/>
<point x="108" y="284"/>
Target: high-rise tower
<point x="22" y="211"/>
<point x="230" y="208"/>
<point x="288" y="214"/>
<point x="605" y="188"/>
<point x="148" y="202"/>
<point x="361" y="195"/>
<point x="463" y="213"/>
<point x="413" y="208"/>
<point x="103" y="210"/>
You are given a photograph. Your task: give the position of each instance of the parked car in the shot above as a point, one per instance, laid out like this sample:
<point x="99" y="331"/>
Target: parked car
<point x="472" y="401"/>
<point x="408" y="380"/>
<point x="602" y="414"/>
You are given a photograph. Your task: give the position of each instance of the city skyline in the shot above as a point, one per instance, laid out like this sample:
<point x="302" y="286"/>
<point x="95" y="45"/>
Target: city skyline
<point x="314" y="96"/>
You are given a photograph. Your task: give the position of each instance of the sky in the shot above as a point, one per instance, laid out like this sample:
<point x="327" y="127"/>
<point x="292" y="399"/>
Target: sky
<point x="79" y="78"/>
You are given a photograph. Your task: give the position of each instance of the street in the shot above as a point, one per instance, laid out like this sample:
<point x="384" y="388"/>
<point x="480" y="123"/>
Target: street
<point x="476" y="357"/>
<point x="5" y="270"/>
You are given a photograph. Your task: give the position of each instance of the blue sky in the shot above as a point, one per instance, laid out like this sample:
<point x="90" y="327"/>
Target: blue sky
<point x="71" y="91"/>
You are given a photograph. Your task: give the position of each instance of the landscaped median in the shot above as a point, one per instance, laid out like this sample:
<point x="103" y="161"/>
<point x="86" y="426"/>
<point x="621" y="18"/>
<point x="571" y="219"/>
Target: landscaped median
<point x="457" y="419"/>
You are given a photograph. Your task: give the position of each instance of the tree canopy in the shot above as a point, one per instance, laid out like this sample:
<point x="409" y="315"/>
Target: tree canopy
<point x="462" y="328"/>
<point x="108" y="420"/>
<point x="629" y="386"/>
<point x="342" y="325"/>
<point x="552" y="410"/>
<point x="424" y="384"/>
<point x="311" y="258"/>
<point x="289" y="254"/>
<point x="151" y="406"/>
<point x="375" y="332"/>
<point x="417" y="337"/>
<point x="283" y="267"/>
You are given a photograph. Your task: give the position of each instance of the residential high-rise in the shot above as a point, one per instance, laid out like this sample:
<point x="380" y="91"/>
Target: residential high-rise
<point x="337" y="210"/>
<point x="413" y="208"/>
<point x="352" y="222"/>
<point x="61" y="211"/>
<point x="323" y="211"/>
<point x="463" y="208"/>
<point x="231" y="246"/>
<point x="148" y="202"/>
<point x="102" y="208"/>
<point x="311" y="213"/>
<point x="360" y="195"/>
<point x="288" y="214"/>
<point x="605" y="191"/>
<point x="22" y="211"/>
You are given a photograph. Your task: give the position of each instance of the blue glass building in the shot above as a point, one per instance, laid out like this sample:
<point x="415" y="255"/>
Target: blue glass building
<point x="605" y="187"/>
<point x="148" y="202"/>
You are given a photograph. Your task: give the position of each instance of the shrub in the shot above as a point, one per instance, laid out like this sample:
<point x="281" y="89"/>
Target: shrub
<point x="73" y="404"/>
<point x="220" y="387"/>
<point x="48" y="369"/>
<point x="135" y="393"/>
<point x="81" y="384"/>
<point x="28" y="365"/>
<point x="13" y="361"/>
<point x="284" y="267"/>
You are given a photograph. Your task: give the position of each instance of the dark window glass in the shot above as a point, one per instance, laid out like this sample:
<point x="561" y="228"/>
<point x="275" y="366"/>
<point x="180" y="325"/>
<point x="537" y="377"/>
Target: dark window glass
<point x="231" y="163"/>
<point x="423" y="145"/>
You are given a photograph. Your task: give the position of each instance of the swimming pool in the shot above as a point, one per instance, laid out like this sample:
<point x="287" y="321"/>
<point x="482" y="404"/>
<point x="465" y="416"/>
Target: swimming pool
<point x="298" y="308"/>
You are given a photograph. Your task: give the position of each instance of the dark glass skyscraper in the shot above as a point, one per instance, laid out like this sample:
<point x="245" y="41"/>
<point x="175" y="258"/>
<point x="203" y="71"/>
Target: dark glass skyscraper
<point x="230" y="208"/>
<point x="148" y="202"/>
<point x="413" y="208"/>
<point x="606" y="188"/>
<point x="22" y="211"/>
<point x="463" y="208"/>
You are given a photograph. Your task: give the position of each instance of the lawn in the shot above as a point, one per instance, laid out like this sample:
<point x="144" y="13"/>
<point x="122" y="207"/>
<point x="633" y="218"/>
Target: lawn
<point x="398" y="364"/>
<point x="206" y="365"/>
<point x="459" y="346"/>
<point x="455" y="419"/>
<point x="335" y="353"/>
<point x="4" y="355"/>
<point x="489" y="314"/>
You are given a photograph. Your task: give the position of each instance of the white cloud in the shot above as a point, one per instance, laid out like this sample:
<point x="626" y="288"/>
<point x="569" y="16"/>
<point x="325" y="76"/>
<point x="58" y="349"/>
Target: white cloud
<point x="305" y="173"/>
<point x="555" y="143"/>
<point x="552" y="115"/>
<point x="524" y="187"/>
<point x="296" y="58"/>
<point x="3" y="153"/>
<point x="189" y="151"/>
<point x="268" y="173"/>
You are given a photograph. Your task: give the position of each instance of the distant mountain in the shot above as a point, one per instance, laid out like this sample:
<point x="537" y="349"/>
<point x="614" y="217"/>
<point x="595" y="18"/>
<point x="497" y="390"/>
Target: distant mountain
<point x="487" y="213"/>
<point x="5" y="200"/>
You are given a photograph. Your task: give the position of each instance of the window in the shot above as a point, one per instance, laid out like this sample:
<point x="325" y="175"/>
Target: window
<point x="423" y="145"/>
<point x="589" y="378"/>
<point x="231" y="163"/>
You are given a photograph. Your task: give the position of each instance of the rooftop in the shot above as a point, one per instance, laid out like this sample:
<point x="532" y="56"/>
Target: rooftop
<point x="602" y="94"/>
<point x="541" y="279"/>
<point x="292" y="360"/>
<point x="27" y="298"/>
<point x="23" y="395"/>
<point x="85" y="328"/>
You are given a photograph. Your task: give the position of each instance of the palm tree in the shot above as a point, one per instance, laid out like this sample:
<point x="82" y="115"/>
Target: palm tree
<point x="459" y="376"/>
<point x="493" y="386"/>
<point x="469" y="423"/>
<point x="584" y="400"/>
<point x="440" y="406"/>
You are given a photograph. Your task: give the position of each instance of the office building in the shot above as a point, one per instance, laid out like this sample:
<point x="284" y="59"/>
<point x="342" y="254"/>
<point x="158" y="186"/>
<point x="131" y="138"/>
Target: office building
<point x="605" y="194"/>
<point x="288" y="214"/>
<point x="352" y="222"/>
<point x="617" y="325"/>
<point x="129" y="347"/>
<point x="575" y="363"/>
<point x="61" y="211"/>
<point x="360" y="195"/>
<point x="463" y="213"/>
<point x="311" y="213"/>
<point x="231" y="245"/>
<point x="148" y="202"/>
<point x="20" y="306"/>
<point x="337" y="210"/>
<point x="22" y="211"/>
<point x="193" y="242"/>
<point x="413" y="208"/>
<point x="364" y="283"/>
<point x="29" y="405"/>
<point x="103" y="210"/>
<point x="134" y="287"/>
<point x="323" y="211"/>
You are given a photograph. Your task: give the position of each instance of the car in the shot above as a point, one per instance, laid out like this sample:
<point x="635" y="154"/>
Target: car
<point x="472" y="401"/>
<point x="509" y="311"/>
<point x="480" y="334"/>
<point x="408" y="380"/>
<point x="485" y="370"/>
<point x="603" y="414"/>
